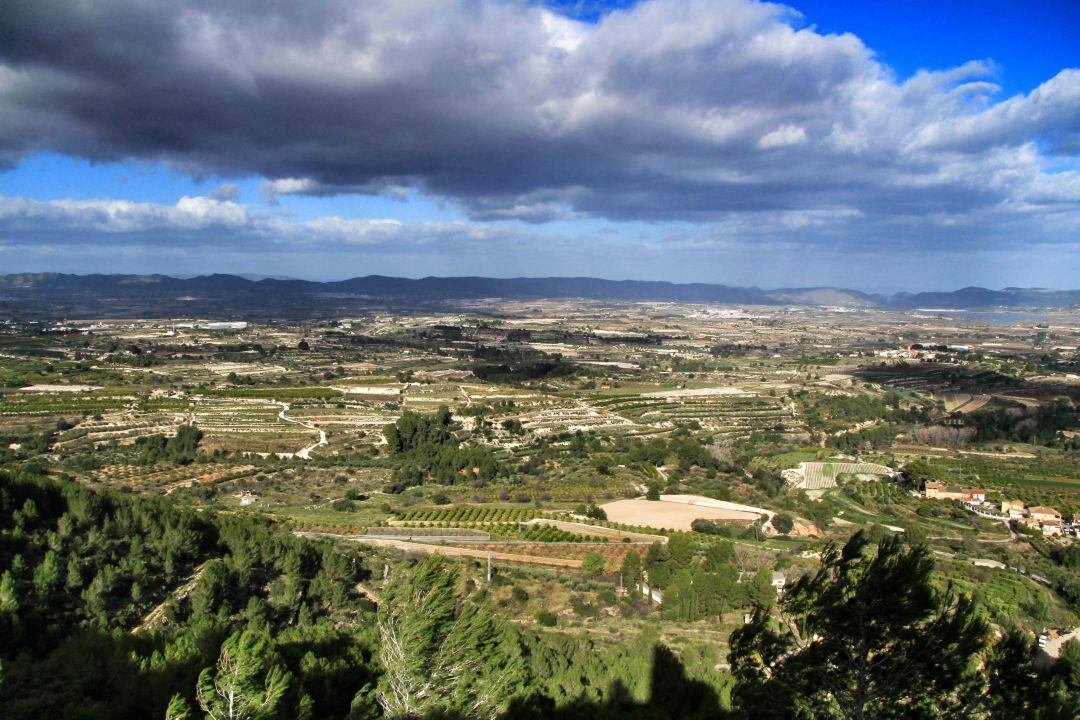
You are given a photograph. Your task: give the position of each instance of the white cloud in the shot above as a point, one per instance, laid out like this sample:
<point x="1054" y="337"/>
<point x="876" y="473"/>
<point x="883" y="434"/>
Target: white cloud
<point x="783" y="136"/>
<point x="704" y="111"/>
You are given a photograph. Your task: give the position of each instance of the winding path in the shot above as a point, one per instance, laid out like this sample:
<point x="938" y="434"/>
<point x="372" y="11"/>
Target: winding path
<point x="305" y="453"/>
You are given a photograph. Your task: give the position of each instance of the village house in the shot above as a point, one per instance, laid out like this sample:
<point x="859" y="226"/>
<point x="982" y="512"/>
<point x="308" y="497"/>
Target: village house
<point x="247" y="498"/>
<point x="973" y="496"/>
<point x="940" y="491"/>
<point x="1045" y="515"/>
<point x="1013" y="508"/>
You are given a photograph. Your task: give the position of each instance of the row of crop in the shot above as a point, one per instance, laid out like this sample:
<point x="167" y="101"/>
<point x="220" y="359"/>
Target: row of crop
<point x="284" y="393"/>
<point x="542" y="533"/>
<point x="500" y="530"/>
<point x="471" y="514"/>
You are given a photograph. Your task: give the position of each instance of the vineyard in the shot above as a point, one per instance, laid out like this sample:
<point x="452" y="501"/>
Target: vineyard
<point x="821" y="475"/>
<point x="470" y="515"/>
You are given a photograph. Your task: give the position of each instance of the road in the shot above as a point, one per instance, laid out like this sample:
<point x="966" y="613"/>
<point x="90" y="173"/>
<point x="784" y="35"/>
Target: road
<point x="1051" y="651"/>
<point x="305" y="453"/>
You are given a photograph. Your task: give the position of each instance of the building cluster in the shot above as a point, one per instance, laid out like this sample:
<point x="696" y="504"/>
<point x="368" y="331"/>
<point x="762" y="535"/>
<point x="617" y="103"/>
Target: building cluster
<point x="918" y="351"/>
<point x="1047" y="520"/>
<point x="941" y="491"/>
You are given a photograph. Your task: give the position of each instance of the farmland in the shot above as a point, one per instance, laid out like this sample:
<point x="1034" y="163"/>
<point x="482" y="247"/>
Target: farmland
<point x="671" y="515"/>
<point x="535" y="434"/>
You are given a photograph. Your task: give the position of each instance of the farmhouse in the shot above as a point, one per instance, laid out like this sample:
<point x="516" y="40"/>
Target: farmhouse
<point x="940" y="491"/>
<point x="1045" y="515"/>
<point x="778" y="582"/>
<point x="973" y="496"/>
<point x="1013" y="508"/>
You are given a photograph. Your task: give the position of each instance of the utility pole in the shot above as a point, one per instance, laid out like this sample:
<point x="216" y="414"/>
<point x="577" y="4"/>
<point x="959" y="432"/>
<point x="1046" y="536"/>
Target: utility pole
<point x="489" y="567"/>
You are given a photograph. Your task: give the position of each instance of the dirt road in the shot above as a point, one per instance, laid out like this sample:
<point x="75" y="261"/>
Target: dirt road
<point x="448" y="550"/>
<point x="305" y="453"/>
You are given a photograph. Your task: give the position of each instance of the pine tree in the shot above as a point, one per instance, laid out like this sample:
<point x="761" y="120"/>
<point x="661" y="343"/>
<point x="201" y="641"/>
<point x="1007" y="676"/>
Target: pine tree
<point x="178" y="708"/>
<point x="248" y="681"/>
<point x="866" y="636"/>
<point x="631" y="573"/>
<point x="47" y="574"/>
<point x="442" y="653"/>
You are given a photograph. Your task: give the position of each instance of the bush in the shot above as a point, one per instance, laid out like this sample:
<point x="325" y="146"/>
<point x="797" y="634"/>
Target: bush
<point x="783" y="523"/>
<point x="546" y="619"/>
<point x="708" y="527"/>
<point x="595" y="512"/>
<point x="594" y="564"/>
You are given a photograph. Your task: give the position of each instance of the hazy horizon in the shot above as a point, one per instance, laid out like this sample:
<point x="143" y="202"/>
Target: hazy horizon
<point x="255" y="277"/>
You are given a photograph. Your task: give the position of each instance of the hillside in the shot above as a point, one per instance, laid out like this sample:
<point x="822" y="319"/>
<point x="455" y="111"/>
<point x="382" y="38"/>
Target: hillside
<point x="126" y="295"/>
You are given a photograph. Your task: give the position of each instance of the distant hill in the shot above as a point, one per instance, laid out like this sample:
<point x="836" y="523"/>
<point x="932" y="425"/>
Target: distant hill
<point x="87" y="295"/>
<point x="977" y="297"/>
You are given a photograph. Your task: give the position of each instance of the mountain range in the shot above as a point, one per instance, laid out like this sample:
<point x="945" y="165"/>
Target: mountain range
<point x="58" y="294"/>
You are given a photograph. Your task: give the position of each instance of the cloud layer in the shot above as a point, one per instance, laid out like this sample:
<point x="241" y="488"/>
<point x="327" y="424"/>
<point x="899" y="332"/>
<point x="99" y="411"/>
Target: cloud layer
<point x="673" y="110"/>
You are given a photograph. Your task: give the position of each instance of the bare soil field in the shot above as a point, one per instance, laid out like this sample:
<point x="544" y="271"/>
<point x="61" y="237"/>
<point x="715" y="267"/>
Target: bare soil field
<point x="586" y="529"/>
<point x="673" y="515"/>
<point x="453" y="550"/>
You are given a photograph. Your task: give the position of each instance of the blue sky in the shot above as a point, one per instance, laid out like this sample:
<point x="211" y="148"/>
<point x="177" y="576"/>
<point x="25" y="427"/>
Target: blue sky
<point x="881" y="146"/>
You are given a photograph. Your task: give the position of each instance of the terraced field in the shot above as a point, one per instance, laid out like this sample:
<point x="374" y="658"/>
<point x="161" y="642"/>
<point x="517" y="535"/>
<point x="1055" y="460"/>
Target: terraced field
<point x="365" y="417"/>
<point x="166" y="479"/>
<point x="729" y="415"/>
<point x="937" y="379"/>
<point x="572" y="416"/>
<point x="249" y="425"/>
<point x="822" y="475"/>
<point x="121" y="427"/>
<point x="62" y="404"/>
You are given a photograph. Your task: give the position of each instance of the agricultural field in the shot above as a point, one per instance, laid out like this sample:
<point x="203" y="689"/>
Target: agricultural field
<point x="534" y="433"/>
<point x="671" y="514"/>
<point x="727" y="412"/>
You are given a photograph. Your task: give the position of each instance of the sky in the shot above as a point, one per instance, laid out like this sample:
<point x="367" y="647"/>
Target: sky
<point x="884" y="146"/>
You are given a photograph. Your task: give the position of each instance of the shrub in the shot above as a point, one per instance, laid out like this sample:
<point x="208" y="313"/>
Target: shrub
<point x="783" y="523"/>
<point x="708" y="527"/>
<point x="594" y="564"/>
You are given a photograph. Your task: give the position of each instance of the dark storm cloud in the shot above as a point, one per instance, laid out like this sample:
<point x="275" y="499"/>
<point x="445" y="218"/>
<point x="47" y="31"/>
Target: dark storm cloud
<point x="673" y="110"/>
